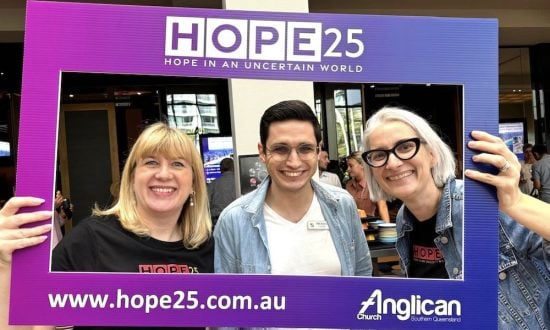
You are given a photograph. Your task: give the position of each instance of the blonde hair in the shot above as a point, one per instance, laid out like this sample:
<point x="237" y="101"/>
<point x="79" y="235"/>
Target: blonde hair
<point x="356" y="155"/>
<point x="194" y="221"/>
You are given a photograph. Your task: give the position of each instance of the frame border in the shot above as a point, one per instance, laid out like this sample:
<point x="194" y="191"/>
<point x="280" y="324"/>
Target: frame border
<point x="131" y="40"/>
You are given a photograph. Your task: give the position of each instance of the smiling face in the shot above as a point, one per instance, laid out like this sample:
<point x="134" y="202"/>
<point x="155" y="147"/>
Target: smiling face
<point x="162" y="186"/>
<point x="403" y="179"/>
<point x="291" y="174"/>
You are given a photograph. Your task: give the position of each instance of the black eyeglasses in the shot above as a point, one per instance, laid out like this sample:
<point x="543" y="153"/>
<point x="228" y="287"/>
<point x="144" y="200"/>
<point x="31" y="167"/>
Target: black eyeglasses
<point x="305" y="151"/>
<point x="404" y="150"/>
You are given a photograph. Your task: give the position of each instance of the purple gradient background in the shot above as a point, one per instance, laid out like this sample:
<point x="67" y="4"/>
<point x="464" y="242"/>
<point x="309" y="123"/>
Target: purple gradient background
<point x="130" y="39"/>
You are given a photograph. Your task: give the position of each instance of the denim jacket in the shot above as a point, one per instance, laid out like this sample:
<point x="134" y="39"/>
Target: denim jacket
<point x="523" y="277"/>
<point x="241" y="237"/>
<point x="448" y="226"/>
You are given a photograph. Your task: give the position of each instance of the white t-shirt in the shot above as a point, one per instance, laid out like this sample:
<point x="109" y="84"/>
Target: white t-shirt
<point x="302" y="248"/>
<point x="330" y="178"/>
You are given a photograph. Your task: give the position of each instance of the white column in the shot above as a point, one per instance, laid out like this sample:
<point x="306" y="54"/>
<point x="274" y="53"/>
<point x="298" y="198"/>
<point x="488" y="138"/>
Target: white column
<point x="249" y="98"/>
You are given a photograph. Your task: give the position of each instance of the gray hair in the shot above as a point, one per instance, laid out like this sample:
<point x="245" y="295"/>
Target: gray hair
<point x="445" y="160"/>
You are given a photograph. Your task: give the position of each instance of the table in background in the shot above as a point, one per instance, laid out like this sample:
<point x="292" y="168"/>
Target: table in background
<point x="381" y="250"/>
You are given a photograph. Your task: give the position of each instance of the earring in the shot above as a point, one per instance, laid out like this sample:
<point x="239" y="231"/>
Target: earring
<point x="191" y="201"/>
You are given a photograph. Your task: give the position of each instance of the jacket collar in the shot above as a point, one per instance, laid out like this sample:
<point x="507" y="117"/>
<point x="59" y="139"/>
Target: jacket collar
<point x="444" y="210"/>
<point x="254" y="201"/>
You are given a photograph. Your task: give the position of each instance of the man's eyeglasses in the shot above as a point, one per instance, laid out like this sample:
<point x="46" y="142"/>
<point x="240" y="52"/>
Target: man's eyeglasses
<point x="404" y="150"/>
<point x="281" y="152"/>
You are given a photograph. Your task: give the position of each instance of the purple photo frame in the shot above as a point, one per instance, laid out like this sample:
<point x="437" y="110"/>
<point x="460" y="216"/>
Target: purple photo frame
<point x="150" y="41"/>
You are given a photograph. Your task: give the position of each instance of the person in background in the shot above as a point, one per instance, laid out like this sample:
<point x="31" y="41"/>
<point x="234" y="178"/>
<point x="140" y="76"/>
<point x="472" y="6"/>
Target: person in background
<point x="541" y="171"/>
<point x="161" y="217"/>
<point x="221" y="191"/>
<point x="407" y="160"/>
<point x="63" y="213"/>
<point x="357" y="186"/>
<point x="291" y="224"/>
<point x="324" y="175"/>
<point x="525" y="180"/>
<point x="524" y="231"/>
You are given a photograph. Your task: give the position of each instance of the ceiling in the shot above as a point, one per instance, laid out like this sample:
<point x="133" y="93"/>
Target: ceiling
<point x="521" y="24"/>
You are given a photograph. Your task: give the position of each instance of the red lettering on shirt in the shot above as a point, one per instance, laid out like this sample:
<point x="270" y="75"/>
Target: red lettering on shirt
<point x="169" y="268"/>
<point x="427" y="254"/>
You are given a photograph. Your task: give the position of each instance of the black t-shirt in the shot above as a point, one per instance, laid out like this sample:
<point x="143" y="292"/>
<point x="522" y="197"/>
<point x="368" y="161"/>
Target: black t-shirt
<point x="426" y="258"/>
<point x="101" y="244"/>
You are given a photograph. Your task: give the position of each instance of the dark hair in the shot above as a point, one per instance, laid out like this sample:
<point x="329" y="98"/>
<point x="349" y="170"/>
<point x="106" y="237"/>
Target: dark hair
<point x="226" y="165"/>
<point x="526" y="146"/>
<point x="540" y="149"/>
<point x="288" y="110"/>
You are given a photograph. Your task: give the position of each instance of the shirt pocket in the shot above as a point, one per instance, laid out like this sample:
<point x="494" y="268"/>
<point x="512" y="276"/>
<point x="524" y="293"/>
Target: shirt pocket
<point x="522" y="291"/>
<point x="508" y="316"/>
<point x="507" y="257"/>
<point x="246" y="268"/>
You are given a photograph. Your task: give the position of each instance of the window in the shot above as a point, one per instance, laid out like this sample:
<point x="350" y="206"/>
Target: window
<point x="193" y="113"/>
<point x="319" y="111"/>
<point x="5" y="126"/>
<point x="349" y="120"/>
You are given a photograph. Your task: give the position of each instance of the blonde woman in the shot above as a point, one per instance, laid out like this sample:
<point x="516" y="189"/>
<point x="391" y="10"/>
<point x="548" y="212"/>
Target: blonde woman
<point x="161" y="214"/>
<point x="160" y="222"/>
<point x="357" y="186"/>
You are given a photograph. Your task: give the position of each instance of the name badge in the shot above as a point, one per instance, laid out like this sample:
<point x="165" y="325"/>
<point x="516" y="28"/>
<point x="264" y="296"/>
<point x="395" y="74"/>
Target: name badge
<point x="317" y="225"/>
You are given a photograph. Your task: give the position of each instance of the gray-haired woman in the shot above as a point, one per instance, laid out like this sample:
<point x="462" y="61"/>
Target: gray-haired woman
<point x="408" y="160"/>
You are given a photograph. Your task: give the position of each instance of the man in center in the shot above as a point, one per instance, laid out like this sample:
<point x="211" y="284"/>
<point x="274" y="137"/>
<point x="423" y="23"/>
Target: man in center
<point x="291" y="224"/>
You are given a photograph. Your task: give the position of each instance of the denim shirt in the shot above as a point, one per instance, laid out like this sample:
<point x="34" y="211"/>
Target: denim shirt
<point x="241" y="236"/>
<point x="523" y="277"/>
<point x="448" y="226"/>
